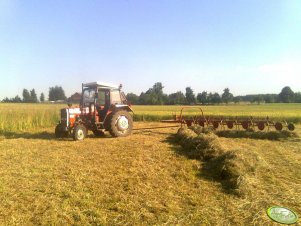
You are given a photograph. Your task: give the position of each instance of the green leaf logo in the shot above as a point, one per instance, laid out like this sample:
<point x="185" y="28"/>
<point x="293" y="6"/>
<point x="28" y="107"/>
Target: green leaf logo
<point x="282" y="215"/>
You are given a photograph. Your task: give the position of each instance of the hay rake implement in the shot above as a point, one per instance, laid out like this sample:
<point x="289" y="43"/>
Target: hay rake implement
<point x="246" y="123"/>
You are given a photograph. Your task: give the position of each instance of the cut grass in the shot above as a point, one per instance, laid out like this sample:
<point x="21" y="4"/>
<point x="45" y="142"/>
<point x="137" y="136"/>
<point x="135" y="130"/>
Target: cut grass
<point x="138" y="180"/>
<point x="268" y="135"/>
<point x="250" y="133"/>
<point x="229" y="167"/>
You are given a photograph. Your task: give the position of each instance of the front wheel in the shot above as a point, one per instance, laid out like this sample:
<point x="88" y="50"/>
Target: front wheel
<point x="79" y="132"/>
<point x="120" y="124"/>
<point x="59" y="133"/>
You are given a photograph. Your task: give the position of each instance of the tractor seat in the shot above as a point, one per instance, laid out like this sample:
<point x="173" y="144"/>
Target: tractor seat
<point x="102" y="111"/>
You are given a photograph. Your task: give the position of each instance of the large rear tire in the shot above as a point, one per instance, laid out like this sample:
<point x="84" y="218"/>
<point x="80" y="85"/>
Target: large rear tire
<point x="120" y="124"/>
<point x="79" y="132"/>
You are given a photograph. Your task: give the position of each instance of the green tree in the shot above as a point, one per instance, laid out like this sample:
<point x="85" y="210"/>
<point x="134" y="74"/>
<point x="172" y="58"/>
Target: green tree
<point x="5" y="100"/>
<point x="190" y="97"/>
<point x="143" y="98"/>
<point x="216" y="98"/>
<point x="157" y="92"/>
<point x="17" y="99"/>
<point x="153" y="95"/>
<point x="56" y="93"/>
<point x="259" y="98"/>
<point x="237" y="99"/>
<point x="286" y="95"/>
<point x="132" y="98"/>
<point x="202" y="97"/>
<point x="42" y="97"/>
<point x="176" y="98"/>
<point x="227" y="96"/>
<point x="270" y="98"/>
<point x="26" y="96"/>
<point x="298" y="97"/>
<point x="209" y="98"/>
<point x="33" y="96"/>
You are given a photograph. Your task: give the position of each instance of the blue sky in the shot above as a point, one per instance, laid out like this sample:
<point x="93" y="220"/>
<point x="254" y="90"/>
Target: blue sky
<point x="250" y="46"/>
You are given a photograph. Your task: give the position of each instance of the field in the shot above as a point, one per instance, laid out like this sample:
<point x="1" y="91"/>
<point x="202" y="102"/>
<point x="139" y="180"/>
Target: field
<point x="143" y="179"/>
<point x="290" y="112"/>
<point x="22" y="117"/>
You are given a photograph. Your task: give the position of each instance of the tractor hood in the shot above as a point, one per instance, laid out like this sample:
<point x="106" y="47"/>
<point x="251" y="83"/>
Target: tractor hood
<point x="74" y="110"/>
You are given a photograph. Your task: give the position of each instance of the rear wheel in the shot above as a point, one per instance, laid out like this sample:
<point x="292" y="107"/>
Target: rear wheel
<point x="79" y="132"/>
<point x="120" y="124"/>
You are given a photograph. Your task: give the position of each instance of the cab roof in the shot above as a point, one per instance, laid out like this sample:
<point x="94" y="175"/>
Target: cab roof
<point x="103" y="85"/>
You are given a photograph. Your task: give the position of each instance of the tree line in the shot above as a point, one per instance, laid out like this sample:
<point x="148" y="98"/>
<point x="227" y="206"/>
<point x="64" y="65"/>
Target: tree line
<point x="156" y="96"/>
<point x="30" y="96"/>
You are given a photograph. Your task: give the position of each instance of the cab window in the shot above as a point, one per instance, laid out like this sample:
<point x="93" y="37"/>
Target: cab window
<point x="88" y="97"/>
<point x="115" y="97"/>
<point x="101" y="97"/>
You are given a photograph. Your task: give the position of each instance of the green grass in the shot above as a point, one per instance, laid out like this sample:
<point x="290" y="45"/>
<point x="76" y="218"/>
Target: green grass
<point x="289" y="112"/>
<point x="22" y="117"/>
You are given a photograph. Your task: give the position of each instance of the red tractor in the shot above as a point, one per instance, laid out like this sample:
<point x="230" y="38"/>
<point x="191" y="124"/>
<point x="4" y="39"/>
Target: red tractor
<point x="103" y="107"/>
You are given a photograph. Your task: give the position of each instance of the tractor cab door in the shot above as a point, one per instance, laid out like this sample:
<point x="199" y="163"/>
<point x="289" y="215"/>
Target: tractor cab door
<point x="103" y="103"/>
<point x="88" y="104"/>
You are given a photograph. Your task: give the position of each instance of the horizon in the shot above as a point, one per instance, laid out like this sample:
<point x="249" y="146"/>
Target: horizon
<point x="138" y="94"/>
<point x="250" y="47"/>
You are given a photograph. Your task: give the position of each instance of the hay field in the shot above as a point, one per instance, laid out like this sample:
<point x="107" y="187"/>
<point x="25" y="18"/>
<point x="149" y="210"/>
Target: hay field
<point x="143" y="179"/>
<point x="290" y="112"/>
<point x="23" y="117"/>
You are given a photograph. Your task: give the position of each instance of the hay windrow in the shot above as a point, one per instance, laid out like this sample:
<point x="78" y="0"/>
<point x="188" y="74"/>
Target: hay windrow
<point x="261" y="135"/>
<point x="202" y="146"/>
<point x="229" y="167"/>
<point x="270" y="135"/>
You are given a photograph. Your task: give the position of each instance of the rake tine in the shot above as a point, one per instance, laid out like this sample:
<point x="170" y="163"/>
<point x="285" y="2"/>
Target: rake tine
<point x="243" y="123"/>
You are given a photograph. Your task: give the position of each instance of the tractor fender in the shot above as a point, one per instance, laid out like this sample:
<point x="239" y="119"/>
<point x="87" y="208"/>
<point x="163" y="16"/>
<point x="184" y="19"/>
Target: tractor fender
<point x="123" y="107"/>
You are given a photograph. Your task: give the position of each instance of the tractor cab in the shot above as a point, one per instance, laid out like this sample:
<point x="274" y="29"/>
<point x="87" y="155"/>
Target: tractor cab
<point x="100" y="97"/>
<point x="103" y="107"/>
